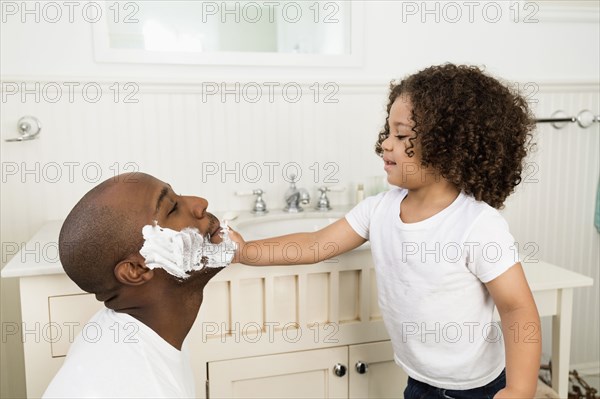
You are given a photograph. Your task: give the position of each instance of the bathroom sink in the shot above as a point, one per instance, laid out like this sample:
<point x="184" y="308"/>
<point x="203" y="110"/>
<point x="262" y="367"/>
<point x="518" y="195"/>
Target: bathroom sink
<point x="259" y="227"/>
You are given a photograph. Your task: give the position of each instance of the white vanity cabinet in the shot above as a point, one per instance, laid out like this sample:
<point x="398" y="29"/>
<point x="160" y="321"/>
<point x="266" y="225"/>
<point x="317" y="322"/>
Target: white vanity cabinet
<point x="267" y="331"/>
<point x="261" y="331"/>
<point x="354" y="371"/>
<point x="285" y="332"/>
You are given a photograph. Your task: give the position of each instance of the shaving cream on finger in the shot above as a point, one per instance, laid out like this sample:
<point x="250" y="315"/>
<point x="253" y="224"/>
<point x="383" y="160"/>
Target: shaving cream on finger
<point x="181" y="252"/>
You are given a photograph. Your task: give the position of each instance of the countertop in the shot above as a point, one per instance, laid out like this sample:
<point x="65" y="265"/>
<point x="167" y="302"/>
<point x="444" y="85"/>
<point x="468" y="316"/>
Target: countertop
<point x="40" y="257"/>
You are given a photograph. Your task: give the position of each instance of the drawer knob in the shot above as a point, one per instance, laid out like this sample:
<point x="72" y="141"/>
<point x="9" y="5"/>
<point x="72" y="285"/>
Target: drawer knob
<point x="339" y="370"/>
<point x="361" y="367"/>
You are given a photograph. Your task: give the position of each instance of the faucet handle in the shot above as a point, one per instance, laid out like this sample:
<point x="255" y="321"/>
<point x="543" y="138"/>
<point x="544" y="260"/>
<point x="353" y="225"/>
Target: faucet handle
<point x="323" y="202"/>
<point x="293" y="181"/>
<point x="260" y="207"/>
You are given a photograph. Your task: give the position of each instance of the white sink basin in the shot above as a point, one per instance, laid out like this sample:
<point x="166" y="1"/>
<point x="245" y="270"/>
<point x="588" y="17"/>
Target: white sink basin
<point x="259" y="227"/>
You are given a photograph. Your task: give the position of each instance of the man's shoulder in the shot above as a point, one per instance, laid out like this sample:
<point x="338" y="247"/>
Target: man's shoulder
<point x="97" y="365"/>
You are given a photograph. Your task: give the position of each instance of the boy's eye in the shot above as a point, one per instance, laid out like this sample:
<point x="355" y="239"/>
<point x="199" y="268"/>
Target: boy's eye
<point x="173" y="209"/>
<point x="401" y="137"/>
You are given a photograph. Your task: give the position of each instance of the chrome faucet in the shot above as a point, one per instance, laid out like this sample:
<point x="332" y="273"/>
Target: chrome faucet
<point x="323" y="204"/>
<point x="260" y="207"/>
<point x="294" y="196"/>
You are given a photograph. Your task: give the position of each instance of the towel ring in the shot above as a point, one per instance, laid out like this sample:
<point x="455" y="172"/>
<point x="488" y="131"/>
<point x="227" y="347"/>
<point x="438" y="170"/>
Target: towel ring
<point x="29" y="127"/>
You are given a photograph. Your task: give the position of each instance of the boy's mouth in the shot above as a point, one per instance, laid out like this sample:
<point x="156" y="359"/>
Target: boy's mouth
<point x="388" y="164"/>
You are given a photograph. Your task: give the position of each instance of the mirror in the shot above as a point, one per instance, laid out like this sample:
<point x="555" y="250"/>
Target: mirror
<point x="326" y="33"/>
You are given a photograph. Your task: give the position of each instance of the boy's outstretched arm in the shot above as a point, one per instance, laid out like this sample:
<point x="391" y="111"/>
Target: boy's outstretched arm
<point x="521" y="330"/>
<point x="298" y="248"/>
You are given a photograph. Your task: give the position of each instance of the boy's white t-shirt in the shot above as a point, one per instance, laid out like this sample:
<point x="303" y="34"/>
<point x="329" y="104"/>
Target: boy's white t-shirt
<point x="117" y="356"/>
<point x="430" y="278"/>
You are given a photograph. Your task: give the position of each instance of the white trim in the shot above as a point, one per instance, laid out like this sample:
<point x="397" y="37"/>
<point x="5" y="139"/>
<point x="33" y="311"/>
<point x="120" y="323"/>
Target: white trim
<point x="153" y="85"/>
<point x="211" y="87"/>
<point x="567" y="11"/>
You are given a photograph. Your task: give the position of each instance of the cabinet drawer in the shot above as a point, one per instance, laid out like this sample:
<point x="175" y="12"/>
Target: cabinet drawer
<point x="306" y="374"/>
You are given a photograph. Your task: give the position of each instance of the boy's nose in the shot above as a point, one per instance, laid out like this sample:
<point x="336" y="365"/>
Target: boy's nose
<point x="386" y="145"/>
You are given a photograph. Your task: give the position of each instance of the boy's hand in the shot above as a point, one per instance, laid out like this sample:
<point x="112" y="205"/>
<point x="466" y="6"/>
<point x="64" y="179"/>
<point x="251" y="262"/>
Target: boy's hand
<point x="239" y="241"/>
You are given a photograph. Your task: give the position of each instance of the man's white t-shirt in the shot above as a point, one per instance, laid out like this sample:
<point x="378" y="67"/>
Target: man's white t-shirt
<point x="430" y="279"/>
<point x="117" y="356"/>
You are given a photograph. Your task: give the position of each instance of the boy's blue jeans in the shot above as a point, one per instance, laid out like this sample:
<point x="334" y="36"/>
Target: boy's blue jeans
<point x="419" y="390"/>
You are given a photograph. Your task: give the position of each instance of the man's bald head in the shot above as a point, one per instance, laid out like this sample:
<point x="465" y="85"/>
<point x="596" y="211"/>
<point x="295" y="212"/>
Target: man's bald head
<point x="102" y="229"/>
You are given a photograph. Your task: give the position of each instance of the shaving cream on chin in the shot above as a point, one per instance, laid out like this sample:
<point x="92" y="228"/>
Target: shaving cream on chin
<point x="181" y="252"/>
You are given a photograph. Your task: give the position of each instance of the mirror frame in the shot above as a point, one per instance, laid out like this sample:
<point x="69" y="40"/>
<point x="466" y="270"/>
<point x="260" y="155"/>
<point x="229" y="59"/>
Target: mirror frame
<point x="103" y="53"/>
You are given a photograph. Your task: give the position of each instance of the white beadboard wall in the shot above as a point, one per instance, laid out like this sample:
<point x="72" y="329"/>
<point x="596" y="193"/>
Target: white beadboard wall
<point x="553" y="208"/>
<point x="172" y="132"/>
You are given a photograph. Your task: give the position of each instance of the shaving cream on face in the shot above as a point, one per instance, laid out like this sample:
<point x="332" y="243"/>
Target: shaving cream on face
<point x="181" y="252"/>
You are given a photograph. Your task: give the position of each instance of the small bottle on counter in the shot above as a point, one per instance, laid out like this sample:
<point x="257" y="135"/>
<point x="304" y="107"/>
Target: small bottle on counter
<point x="360" y="193"/>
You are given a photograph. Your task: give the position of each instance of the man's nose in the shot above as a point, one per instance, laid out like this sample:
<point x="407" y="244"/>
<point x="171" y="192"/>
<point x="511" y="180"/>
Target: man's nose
<point x="199" y="206"/>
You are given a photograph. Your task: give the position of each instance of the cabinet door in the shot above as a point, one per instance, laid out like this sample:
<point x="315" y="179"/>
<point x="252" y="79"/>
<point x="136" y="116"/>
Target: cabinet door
<point x="54" y="310"/>
<point x="382" y="378"/>
<point x="306" y="374"/>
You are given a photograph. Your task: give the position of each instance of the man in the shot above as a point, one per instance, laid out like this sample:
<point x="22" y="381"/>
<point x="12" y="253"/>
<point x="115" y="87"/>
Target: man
<point x="137" y="348"/>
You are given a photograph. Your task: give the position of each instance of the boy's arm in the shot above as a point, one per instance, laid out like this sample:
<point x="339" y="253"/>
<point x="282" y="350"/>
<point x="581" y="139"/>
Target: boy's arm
<point x="299" y="248"/>
<point x="521" y="330"/>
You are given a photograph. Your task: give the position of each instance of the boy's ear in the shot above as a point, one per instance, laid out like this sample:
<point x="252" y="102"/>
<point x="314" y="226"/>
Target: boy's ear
<point x="133" y="271"/>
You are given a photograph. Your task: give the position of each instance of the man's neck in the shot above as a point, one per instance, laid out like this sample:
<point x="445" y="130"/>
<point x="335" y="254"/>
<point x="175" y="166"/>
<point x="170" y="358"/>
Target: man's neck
<point x="171" y="321"/>
<point x="167" y="306"/>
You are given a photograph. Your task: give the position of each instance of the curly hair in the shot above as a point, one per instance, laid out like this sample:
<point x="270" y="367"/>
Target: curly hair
<point x="471" y="128"/>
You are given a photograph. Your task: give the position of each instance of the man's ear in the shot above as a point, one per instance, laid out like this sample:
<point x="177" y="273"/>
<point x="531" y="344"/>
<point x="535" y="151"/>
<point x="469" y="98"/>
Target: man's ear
<point x="133" y="271"/>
